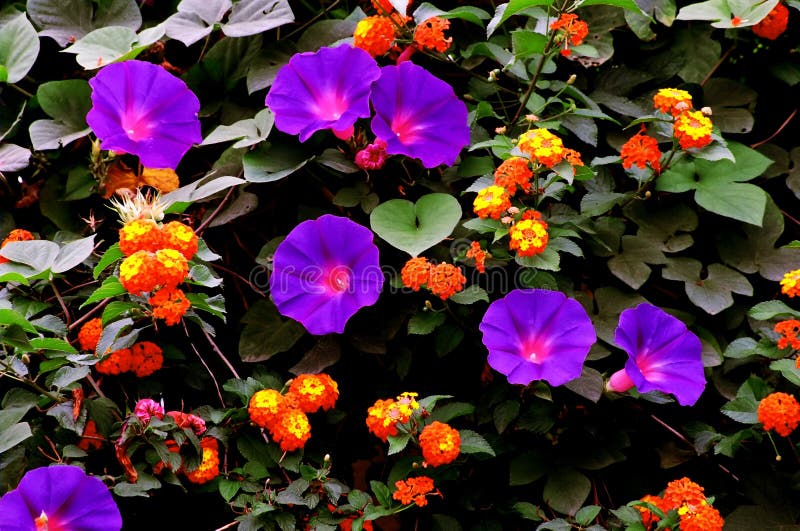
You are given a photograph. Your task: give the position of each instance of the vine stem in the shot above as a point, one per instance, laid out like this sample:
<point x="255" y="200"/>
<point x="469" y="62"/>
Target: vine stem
<point x="777" y="131"/>
<point x="208" y="369"/>
<point x="221" y="355"/>
<point x="64" y="309"/>
<point x="214" y="214"/>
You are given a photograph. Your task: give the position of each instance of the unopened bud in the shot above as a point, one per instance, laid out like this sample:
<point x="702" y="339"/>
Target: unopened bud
<point x="531" y="117"/>
<point x="571" y="79"/>
<point x="706" y="111"/>
<point x="500" y="130"/>
<point x="513" y="210"/>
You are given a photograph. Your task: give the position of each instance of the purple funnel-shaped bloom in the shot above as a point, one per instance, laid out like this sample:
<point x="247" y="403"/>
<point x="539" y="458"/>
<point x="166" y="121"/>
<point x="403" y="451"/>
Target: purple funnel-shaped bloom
<point x="418" y="115"/>
<point x="327" y="89"/>
<point x="324" y="272"/>
<point x="140" y="108"/>
<point x="664" y="355"/>
<point x="64" y="497"/>
<point x="537" y="335"/>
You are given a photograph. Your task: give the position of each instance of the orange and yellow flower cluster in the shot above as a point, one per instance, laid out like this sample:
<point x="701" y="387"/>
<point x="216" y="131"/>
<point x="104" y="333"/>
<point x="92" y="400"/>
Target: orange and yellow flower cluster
<point x="384" y="415"/>
<point x="143" y="358"/>
<point x="208" y="468"/>
<point x="689" y="501"/>
<point x="440" y="443"/>
<point x="378" y="34"/>
<point x="790" y="284"/>
<point x="641" y="150"/>
<point x="547" y="149"/>
<point x="443" y="279"/>
<point x="779" y="412"/>
<point x="529" y="235"/>
<point x="691" y="128"/>
<point x="788" y="330"/>
<point x="157" y="261"/>
<point x="284" y="415"/>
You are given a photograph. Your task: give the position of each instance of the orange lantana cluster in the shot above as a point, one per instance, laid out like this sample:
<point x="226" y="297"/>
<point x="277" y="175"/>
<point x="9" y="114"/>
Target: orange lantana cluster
<point x="529" y="235"/>
<point x="691" y="128"/>
<point x="790" y="284"/>
<point x="378" y="34"/>
<point x="774" y="24"/>
<point x="440" y="443"/>
<point x="414" y="490"/>
<point x="143" y="358"/>
<point x="689" y="501"/>
<point x="157" y="261"/>
<point x="284" y="416"/>
<point x="788" y="330"/>
<point x="573" y="29"/>
<point x="641" y="150"/>
<point x="384" y="415"/>
<point x="443" y="279"/>
<point x="779" y="412"/>
<point x="547" y="149"/>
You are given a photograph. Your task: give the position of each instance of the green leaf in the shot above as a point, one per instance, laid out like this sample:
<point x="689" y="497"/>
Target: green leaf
<point x="67" y="375"/>
<point x="195" y="19"/>
<point x="566" y="490"/>
<point x="506" y="11"/>
<point x="69" y="20"/>
<point x="73" y="254"/>
<point x="111" y="287"/>
<point x="770" y="309"/>
<point x="701" y="52"/>
<point x="248" y="132"/>
<point x="589" y="385"/>
<point x="469" y="13"/>
<point x="744" y="410"/>
<point x="67" y="102"/>
<point x="111" y="255"/>
<point x="504" y="414"/>
<point x="19" y="46"/>
<point x="586" y="514"/>
<point x="266" y="333"/>
<point x="630" y="265"/>
<point x="270" y="163"/>
<point x="397" y="443"/>
<point x="13" y="435"/>
<point x="37" y="254"/>
<point x="382" y="493"/>
<point x="14" y="157"/>
<point x="451" y="410"/>
<point x="527" y="467"/>
<point x="525" y="43"/>
<point x="112" y="43"/>
<point x="249" y="17"/>
<point x="470" y="295"/>
<point x="10" y="317"/>
<point x="722" y="12"/>
<point x="112" y="339"/>
<point x="53" y="344"/>
<point x="788" y="368"/>
<point x="624" y="4"/>
<point x="423" y="323"/>
<point x="713" y="291"/>
<point x="413" y="228"/>
<point x="474" y="443"/>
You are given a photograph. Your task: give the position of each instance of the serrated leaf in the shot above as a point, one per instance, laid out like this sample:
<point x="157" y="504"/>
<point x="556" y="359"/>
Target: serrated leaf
<point x="474" y="443"/>
<point x="111" y="287"/>
<point x="566" y="490"/>
<point x="397" y="443"/>
<point x="470" y="295"/>
<point x="423" y="323"/>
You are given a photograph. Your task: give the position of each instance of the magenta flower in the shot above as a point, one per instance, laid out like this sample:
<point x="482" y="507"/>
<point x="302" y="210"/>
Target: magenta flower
<point x="324" y="272"/>
<point x="372" y="157"/>
<point x="59" y="497"/>
<point x="536" y="334"/>
<point x="663" y="355"/>
<point x="418" y="115"/>
<point x="327" y="89"/>
<point x="188" y="420"/>
<point x="140" y="108"/>
<point x="147" y="408"/>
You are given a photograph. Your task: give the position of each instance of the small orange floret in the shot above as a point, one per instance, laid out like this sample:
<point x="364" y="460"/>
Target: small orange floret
<point x="16" y="235"/>
<point x="440" y="443"/>
<point x="140" y="235"/>
<point x="575" y="29"/>
<point x="514" y="173"/>
<point x="491" y="202"/>
<point x="774" y="24"/>
<point x="169" y="304"/>
<point x="313" y="392"/>
<point x="413" y="490"/>
<point x="479" y="255"/>
<point x="692" y="129"/>
<point x="446" y="280"/>
<point x="641" y="150"/>
<point x="209" y="466"/>
<point x="788" y="330"/>
<point x="146" y="358"/>
<point x="416" y="273"/>
<point x="779" y="412"/>
<point x="379" y="420"/>
<point x="89" y="334"/>
<point x="430" y="34"/>
<point x="790" y="284"/>
<point x="375" y="35"/>
<point x="266" y="406"/>
<point x="683" y="491"/>
<point x="181" y="237"/>
<point x="672" y="101"/>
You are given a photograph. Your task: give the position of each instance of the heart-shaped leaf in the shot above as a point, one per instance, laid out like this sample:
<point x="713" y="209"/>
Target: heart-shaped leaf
<point x="412" y="227"/>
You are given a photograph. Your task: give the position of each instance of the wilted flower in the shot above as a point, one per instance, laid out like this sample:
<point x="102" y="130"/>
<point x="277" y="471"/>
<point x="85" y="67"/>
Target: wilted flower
<point x="147" y="408"/>
<point x="324" y="271"/>
<point x="372" y="157"/>
<point x="140" y="108"/>
<point x="59" y="497"/>
<point x="663" y="355"/>
<point x="418" y="115"/>
<point x="537" y="335"/>
<point x="327" y="89"/>
<point x="188" y="420"/>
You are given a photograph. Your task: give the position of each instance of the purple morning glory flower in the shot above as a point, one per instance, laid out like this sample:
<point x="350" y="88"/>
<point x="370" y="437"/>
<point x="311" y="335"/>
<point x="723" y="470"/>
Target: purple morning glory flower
<point x="59" y="497"/>
<point x="537" y="334"/>
<point x="418" y="115"/>
<point x="327" y="89"/>
<point x="140" y="108"/>
<point x="324" y="272"/>
<point x="663" y="355"/>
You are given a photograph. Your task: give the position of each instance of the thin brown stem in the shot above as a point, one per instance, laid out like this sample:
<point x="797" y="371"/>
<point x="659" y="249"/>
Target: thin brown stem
<point x="214" y="214"/>
<point x="208" y="369"/>
<point x="777" y="131"/>
<point x="67" y="315"/>
<point x="88" y="315"/>
<point x="722" y="59"/>
<point x="221" y="355"/>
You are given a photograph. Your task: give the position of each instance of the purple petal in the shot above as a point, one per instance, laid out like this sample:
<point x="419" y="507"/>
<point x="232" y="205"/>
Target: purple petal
<point x="418" y="115"/>
<point x="327" y="89"/>
<point x="70" y="499"/>
<point x="140" y="108"/>
<point x="537" y="335"/>
<point x="663" y="354"/>
<point x="324" y="272"/>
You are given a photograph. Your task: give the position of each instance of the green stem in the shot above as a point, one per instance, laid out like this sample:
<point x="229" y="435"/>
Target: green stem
<point x="21" y="90"/>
